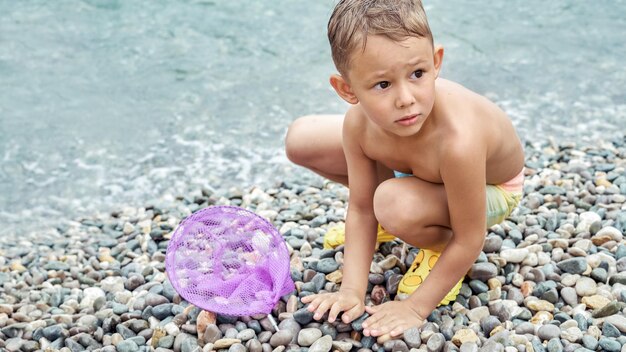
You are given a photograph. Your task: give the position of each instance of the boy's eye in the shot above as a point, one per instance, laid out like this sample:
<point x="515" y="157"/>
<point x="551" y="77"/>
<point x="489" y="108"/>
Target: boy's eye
<point x="382" y="85"/>
<point x="418" y="73"/>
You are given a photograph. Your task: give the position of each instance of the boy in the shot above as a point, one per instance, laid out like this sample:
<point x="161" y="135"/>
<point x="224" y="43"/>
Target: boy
<point x="461" y="151"/>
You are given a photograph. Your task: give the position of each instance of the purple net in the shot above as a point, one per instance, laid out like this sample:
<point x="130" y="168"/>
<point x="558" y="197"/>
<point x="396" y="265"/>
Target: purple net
<point x="230" y="261"/>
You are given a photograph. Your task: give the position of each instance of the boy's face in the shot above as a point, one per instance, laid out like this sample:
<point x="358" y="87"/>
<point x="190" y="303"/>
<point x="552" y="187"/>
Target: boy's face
<point x="395" y="82"/>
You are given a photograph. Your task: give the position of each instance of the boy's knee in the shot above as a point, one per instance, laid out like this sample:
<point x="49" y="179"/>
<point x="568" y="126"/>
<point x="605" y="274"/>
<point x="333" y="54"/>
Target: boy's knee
<point x="390" y="208"/>
<point x="295" y="142"/>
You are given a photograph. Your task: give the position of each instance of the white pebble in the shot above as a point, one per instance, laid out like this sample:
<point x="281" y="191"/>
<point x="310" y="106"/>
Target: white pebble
<point x="514" y="255"/>
<point x="586" y="286"/>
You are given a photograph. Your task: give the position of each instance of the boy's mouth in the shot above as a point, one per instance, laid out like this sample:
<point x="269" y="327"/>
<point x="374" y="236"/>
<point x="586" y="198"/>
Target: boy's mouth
<point x="408" y="120"/>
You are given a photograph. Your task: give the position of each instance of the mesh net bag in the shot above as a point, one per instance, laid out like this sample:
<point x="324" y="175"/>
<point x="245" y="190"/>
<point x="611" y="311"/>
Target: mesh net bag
<point x="230" y="261"/>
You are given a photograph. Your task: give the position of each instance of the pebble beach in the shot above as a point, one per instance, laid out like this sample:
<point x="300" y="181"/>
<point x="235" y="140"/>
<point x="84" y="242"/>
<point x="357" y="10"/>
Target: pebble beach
<point x="552" y="277"/>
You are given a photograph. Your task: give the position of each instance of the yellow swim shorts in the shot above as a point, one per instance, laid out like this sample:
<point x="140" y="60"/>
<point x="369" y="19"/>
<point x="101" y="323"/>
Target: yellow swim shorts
<point x="503" y="198"/>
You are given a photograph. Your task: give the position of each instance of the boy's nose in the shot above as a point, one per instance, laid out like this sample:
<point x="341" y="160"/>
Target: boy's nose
<point x="404" y="97"/>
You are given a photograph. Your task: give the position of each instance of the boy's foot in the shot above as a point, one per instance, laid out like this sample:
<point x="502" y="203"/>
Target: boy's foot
<point x="336" y="236"/>
<point x="421" y="267"/>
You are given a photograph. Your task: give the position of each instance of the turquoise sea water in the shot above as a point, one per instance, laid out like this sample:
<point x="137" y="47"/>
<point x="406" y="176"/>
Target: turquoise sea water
<point x="107" y="103"/>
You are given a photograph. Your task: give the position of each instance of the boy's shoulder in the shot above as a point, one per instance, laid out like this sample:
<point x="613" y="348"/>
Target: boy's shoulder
<point x="454" y="95"/>
<point x="354" y="119"/>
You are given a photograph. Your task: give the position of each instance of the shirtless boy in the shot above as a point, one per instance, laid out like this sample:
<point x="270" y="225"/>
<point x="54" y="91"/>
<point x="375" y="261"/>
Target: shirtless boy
<point x="460" y="150"/>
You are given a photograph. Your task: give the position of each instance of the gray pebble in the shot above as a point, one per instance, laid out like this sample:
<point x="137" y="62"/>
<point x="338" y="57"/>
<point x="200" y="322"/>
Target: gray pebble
<point x="323" y="344"/>
<point x="435" y="343"/>
<point x="573" y="265"/>
<point x="254" y="346"/>
<point x="525" y="328"/>
<point x="609" y="345"/>
<point x="488" y="323"/>
<point x="357" y="324"/>
<point x="478" y="286"/>
<point x="291" y="325"/>
<point x="327" y="265"/>
<point x="230" y="333"/>
<point x="73" y="345"/>
<point x="600" y="275"/>
<point x="303" y="316"/>
<point x="166" y="341"/>
<point x="492" y="244"/>
<point x="482" y="271"/>
<point x="127" y="346"/>
<point x="569" y="295"/>
<point x="54" y="332"/>
<point x="281" y="338"/>
<point x="124" y="331"/>
<point x="212" y="334"/>
<point x="590" y="342"/>
<point x="162" y="311"/>
<point x="139" y="340"/>
<point x="237" y="347"/>
<point x="412" y="338"/>
<point x="265" y="336"/>
<point x="189" y="345"/>
<point x="609" y="309"/>
<point x="328" y="329"/>
<point x="376" y="279"/>
<point x="548" y="332"/>
<point x="245" y="335"/>
<point x="554" y="345"/>
<point x="609" y="330"/>
<point x="307" y="337"/>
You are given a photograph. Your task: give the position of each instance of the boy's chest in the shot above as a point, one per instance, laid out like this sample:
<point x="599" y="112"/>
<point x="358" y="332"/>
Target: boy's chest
<point x="407" y="158"/>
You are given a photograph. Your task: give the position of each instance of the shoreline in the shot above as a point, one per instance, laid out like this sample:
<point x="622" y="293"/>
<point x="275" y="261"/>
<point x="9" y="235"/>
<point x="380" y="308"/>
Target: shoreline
<point x="551" y="277"/>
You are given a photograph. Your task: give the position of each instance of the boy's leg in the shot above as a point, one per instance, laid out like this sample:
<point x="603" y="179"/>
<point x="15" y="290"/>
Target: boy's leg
<point x="420" y="218"/>
<point x="315" y="142"/>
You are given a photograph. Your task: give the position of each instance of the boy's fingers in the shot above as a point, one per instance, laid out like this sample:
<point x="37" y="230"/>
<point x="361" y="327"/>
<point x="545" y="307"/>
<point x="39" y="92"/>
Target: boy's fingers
<point x="351" y="314"/>
<point x="335" y="309"/>
<point x="389" y="326"/>
<point x="313" y="304"/>
<point x="373" y="319"/>
<point x="323" y="307"/>
<point x="371" y="310"/>
<point x="382" y="339"/>
<point x="397" y="331"/>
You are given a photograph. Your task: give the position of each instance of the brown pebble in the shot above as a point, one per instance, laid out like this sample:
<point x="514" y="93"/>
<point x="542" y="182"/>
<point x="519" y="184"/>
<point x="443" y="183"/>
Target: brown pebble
<point x="292" y="304"/>
<point x="335" y="277"/>
<point x="527" y="288"/>
<point x="204" y="319"/>
<point x="379" y="295"/>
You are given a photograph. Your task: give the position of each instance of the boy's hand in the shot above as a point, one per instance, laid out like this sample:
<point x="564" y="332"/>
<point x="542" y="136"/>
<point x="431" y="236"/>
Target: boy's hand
<point x="391" y="319"/>
<point x="345" y="301"/>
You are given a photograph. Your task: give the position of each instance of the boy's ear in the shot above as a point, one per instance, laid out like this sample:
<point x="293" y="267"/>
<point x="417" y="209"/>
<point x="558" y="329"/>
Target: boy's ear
<point x="342" y="87"/>
<point x="438" y="58"/>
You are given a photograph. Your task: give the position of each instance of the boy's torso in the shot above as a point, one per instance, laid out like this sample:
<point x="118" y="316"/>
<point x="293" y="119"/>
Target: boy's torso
<point x="459" y="116"/>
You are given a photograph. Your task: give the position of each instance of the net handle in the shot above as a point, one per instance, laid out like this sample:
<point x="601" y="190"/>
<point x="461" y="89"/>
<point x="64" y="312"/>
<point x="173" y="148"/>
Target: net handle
<point x="273" y="322"/>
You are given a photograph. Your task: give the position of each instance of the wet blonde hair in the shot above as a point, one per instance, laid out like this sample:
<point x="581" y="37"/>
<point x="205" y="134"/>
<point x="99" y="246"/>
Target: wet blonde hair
<point x="353" y="20"/>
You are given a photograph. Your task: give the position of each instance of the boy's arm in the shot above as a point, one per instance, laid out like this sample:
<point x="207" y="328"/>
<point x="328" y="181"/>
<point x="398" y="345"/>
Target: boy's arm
<point x="463" y="170"/>
<point x="361" y="222"/>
